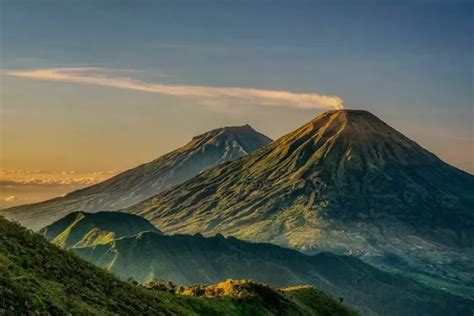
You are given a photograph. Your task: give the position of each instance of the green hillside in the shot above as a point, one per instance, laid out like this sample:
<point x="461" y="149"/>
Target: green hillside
<point x="37" y="278"/>
<point x="186" y="259"/>
<point x="83" y="229"/>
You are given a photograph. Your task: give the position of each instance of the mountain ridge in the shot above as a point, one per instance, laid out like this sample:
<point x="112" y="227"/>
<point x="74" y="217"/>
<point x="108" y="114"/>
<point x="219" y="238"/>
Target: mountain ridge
<point x="38" y="278"/>
<point x="136" y="184"/>
<point x="195" y="259"/>
<point x="344" y="182"/>
<point x="80" y="229"/>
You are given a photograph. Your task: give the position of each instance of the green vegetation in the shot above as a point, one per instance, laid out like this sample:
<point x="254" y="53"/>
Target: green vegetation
<point x="185" y="259"/>
<point x="345" y="182"/>
<point x="38" y="278"/>
<point x="304" y="296"/>
<point x="80" y="229"/>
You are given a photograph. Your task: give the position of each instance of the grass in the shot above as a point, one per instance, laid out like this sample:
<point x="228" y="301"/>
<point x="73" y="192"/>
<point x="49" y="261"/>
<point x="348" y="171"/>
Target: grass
<point x="38" y="278"/>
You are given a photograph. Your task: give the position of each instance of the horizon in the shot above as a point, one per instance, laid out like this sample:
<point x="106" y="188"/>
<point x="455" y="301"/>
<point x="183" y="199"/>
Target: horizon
<point x="92" y="88"/>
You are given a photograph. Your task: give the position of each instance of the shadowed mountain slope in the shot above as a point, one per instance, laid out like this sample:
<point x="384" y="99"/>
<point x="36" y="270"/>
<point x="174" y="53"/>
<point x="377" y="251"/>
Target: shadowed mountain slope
<point x="132" y="186"/>
<point x="38" y="278"/>
<point x="81" y="229"/>
<point x="345" y="182"/>
<point x="186" y="259"/>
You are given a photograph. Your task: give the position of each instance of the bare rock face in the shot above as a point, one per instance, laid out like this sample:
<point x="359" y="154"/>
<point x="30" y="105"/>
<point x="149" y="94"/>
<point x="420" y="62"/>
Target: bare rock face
<point x="344" y="182"/>
<point x="135" y="185"/>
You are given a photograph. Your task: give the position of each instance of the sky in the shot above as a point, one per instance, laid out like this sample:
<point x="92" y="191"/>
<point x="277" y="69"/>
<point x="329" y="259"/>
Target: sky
<point x="89" y="88"/>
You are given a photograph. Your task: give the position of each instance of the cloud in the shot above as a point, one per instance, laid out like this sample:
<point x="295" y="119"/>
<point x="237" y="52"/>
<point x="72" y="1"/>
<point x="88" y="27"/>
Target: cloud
<point x="21" y="171"/>
<point x="51" y="172"/>
<point x="109" y="78"/>
<point x="52" y="178"/>
<point x="11" y="198"/>
<point x="51" y="182"/>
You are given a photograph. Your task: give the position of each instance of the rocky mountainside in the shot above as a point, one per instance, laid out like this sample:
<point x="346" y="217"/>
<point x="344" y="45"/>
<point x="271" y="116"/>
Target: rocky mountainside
<point x="344" y="182"/>
<point x="38" y="278"/>
<point x="186" y="259"/>
<point x="132" y="186"/>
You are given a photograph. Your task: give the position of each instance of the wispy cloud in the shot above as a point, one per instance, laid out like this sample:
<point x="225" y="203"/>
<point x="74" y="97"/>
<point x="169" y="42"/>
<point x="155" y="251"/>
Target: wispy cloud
<point x="11" y="198"/>
<point x="105" y="77"/>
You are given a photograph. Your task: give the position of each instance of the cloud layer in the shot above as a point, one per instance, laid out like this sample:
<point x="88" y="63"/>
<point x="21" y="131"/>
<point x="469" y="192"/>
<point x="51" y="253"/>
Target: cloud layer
<point x="51" y="182"/>
<point x="52" y="172"/>
<point x="107" y="77"/>
<point x="11" y="198"/>
<point x="12" y="178"/>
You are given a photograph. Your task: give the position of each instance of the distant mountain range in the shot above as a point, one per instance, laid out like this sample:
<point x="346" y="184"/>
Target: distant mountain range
<point x="38" y="278"/>
<point x="135" y="185"/>
<point x="344" y="182"/>
<point x="186" y="259"/>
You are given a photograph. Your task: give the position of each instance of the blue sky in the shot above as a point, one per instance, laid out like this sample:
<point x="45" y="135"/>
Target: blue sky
<point x="409" y="62"/>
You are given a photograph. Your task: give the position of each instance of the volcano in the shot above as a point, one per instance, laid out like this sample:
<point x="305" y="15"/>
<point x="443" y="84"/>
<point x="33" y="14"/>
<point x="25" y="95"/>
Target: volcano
<point x="345" y="182"/>
<point x="137" y="184"/>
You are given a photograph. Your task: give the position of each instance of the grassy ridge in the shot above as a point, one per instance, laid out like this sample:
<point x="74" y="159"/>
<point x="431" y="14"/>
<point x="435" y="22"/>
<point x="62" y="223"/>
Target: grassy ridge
<point x="186" y="259"/>
<point x="37" y="278"/>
